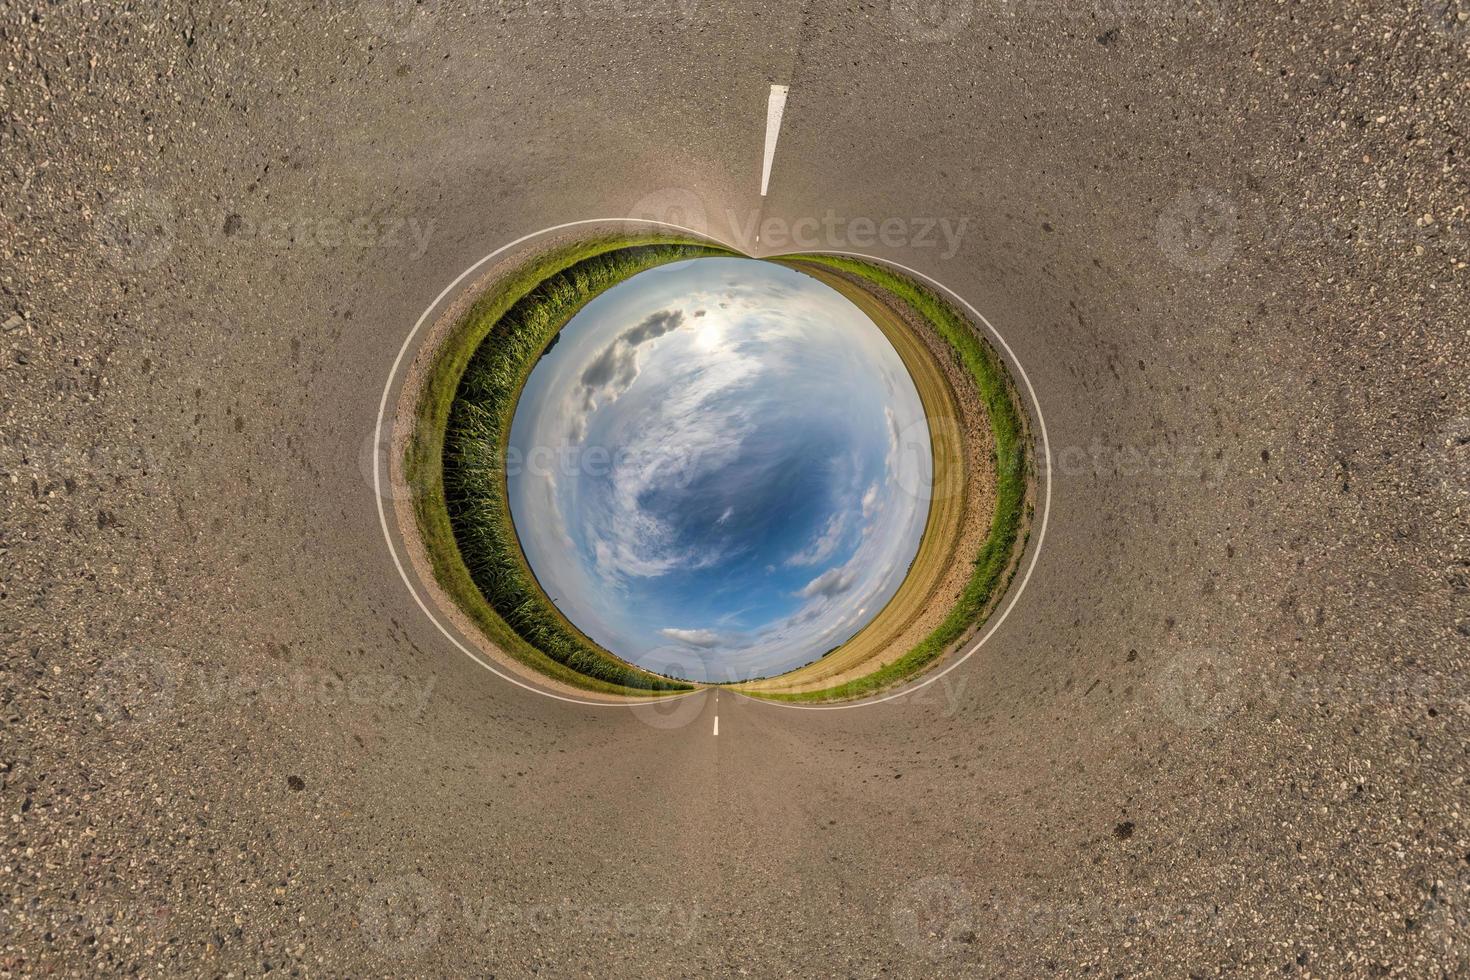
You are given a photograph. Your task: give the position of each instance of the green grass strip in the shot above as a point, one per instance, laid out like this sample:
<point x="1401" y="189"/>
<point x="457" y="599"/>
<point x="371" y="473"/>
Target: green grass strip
<point x="455" y="460"/>
<point x="994" y="567"/>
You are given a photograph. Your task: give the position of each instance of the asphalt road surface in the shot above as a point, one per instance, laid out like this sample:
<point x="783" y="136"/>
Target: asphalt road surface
<point x="1223" y="732"/>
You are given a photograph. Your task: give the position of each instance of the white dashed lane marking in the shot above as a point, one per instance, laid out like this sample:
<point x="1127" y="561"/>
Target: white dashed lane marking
<point x="775" y="109"/>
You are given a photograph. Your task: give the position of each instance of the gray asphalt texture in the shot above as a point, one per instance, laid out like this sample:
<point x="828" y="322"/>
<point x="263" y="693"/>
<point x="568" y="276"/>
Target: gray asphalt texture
<point x="1224" y="732"/>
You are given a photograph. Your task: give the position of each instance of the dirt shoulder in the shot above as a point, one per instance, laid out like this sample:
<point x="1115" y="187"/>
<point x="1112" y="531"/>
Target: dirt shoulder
<point x="963" y="497"/>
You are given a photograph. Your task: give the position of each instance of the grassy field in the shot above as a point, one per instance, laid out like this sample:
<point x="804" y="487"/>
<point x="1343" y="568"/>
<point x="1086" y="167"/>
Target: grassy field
<point x="454" y="459"/>
<point x="999" y="557"/>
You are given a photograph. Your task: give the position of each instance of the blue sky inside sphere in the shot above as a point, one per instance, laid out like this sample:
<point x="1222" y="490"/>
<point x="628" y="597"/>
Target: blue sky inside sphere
<point x="720" y="470"/>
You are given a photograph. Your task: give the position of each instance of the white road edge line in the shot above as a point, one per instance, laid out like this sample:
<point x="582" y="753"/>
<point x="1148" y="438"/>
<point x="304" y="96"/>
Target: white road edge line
<point x="994" y="623"/>
<point x="775" y="109"/>
<point x="379" y="453"/>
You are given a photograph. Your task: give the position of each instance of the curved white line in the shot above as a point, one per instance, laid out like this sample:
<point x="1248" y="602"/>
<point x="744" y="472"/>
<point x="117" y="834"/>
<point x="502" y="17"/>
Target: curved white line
<point x="1045" y="514"/>
<point x="378" y="453"/>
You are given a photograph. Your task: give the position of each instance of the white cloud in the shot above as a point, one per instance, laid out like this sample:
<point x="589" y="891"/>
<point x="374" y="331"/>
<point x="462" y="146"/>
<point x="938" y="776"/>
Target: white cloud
<point x="830" y="584"/>
<point x="676" y="438"/>
<point x="614" y="370"/>
<point x="704" y="639"/>
<point x="825" y="544"/>
<point x="890" y="461"/>
<point x="682" y="417"/>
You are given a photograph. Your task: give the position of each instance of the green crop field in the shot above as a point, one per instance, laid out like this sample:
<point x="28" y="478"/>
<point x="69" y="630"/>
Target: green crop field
<point x="455" y="460"/>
